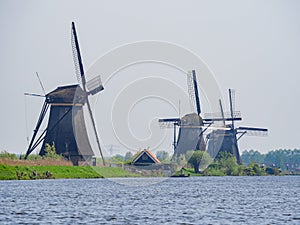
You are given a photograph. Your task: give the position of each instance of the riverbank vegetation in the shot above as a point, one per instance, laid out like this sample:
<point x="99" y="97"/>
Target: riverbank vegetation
<point x="194" y="163"/>
<point x="23" y="172"/>
<point x="52" y="166"/>
<point x="285" y="159"/>
<point x="199" y="163"/>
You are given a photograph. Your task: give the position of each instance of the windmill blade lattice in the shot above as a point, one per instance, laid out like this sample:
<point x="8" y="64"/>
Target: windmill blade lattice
<point x="75" y="58"/>
<point x="168" y="123"/>
<point x="94" y="85"/>
<point x="253" y="131"/>
<point x="198" y="105"/>
<point x="222" y="112"/>
<point x="191" y="91"/>
<point x="227" y="115"/>
<point x="232" y="96"/>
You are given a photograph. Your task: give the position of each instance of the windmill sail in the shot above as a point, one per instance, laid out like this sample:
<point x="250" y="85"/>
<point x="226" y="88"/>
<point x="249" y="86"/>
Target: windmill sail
<point x="253" y="131"/>
<point x="168" y="123"/>
<point x="222" y="112"/>
<point x="76" y="55"/>
<point x="78" y="62"/>
<point x="196" y="92"/>
<point x="42" y="86"/>
<point x="94" y="85"/>
<point x="232" y="103"/>
<point x="227" y="116"/>
<point x="193" y="91"/>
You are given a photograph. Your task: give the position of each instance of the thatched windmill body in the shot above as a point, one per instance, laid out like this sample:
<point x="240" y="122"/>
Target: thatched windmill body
<point x="66" y="127"/>
<point x="190" y="136"/>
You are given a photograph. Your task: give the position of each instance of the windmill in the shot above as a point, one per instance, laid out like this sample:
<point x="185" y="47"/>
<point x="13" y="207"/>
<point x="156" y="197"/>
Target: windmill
<point x="190" y="135"/>
<point x="227" y="139"/>
<point x="66" y="110"/>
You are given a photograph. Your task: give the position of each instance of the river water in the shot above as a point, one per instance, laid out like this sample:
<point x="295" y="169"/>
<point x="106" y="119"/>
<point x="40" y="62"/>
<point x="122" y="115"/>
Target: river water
<point x="193" y="200"/>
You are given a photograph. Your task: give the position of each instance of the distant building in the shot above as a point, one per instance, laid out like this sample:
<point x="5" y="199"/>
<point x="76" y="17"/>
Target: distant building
<point x="145" y="158"/>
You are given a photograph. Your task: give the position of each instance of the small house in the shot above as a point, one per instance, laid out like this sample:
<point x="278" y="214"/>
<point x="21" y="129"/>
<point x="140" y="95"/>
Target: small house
<point x="145" y="158"/>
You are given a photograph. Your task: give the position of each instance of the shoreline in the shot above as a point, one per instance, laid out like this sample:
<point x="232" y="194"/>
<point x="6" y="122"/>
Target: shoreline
<point x="37" y="172"/>
<point x="25" y="172"/>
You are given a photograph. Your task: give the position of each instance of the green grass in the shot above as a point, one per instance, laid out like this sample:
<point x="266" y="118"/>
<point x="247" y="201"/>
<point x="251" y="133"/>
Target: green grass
<point x="7" y="172"/>
<point x="56" y="172"/>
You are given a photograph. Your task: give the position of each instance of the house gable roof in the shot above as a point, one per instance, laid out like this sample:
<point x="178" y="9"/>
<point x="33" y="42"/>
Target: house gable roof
<point x="148" y="153"/>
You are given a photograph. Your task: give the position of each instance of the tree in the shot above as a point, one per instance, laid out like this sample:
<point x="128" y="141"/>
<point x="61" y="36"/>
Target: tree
<point x="162" y="155"/>
<point x="228" y="163"/>
<point x="254" y="169"/>
<point x="117" y="158"/>
<point x="276" y="158"/>
<point x="199" y="159"/>
<point x="128" y="156"/>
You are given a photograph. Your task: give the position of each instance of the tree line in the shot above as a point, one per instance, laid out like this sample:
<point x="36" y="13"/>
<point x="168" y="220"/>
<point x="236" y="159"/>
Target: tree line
<point x="285" y="159"/>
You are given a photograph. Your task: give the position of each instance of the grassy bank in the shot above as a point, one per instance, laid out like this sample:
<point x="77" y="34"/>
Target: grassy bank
<point x="23" y="172"/>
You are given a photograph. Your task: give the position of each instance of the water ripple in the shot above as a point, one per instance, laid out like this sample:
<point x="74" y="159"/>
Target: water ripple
<point x="199" y="200"/>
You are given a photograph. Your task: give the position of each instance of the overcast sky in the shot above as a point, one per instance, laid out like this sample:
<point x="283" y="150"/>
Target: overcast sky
<point x="250" y="46"/>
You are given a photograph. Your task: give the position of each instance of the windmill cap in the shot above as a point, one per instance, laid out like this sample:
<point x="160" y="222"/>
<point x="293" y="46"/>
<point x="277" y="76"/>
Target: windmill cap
<point x="70" y="94"/>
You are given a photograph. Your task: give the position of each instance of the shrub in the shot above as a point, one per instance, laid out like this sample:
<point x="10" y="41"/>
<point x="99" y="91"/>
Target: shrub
<point x="34" y="157"/>
<point x="228" y="163"/>
<point x="51" y="152"/>
<point x="214" y="169"/>
<point x="6" y="155"/>
<point x="254" y="169"/>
